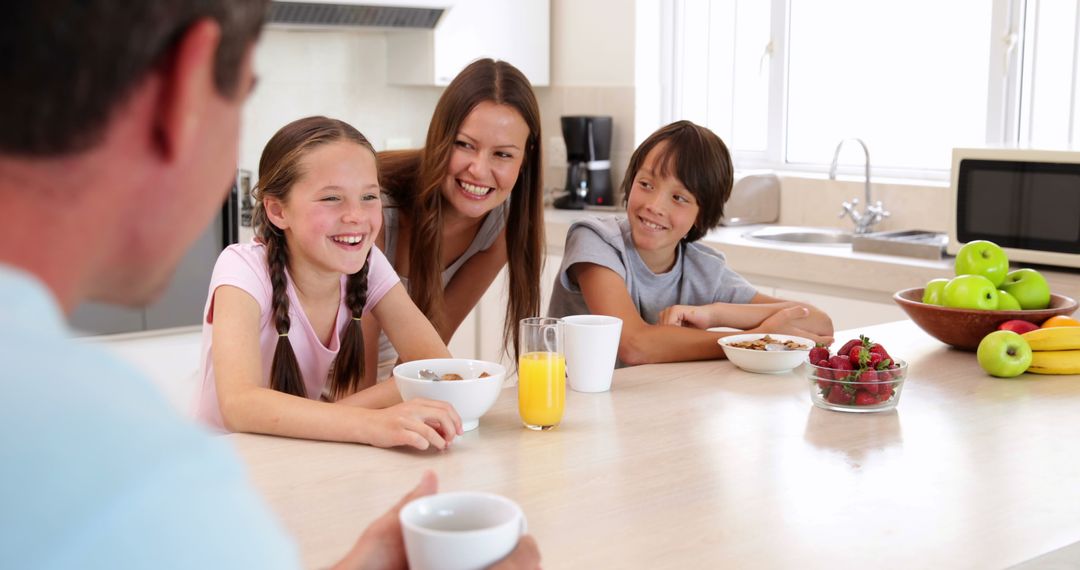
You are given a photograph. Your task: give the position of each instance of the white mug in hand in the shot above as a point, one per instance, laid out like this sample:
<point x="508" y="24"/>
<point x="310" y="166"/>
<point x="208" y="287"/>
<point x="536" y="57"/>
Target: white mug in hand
<point x="460" y="531"/>
<point x="592" y="346"/>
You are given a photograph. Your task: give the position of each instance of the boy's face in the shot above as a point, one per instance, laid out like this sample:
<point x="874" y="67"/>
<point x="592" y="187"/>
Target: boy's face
<point x="660" y="208"/>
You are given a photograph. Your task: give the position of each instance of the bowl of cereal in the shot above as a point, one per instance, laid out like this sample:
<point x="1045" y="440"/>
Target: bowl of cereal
<point x="766" y="353"/>
<point x="471" y="386"/>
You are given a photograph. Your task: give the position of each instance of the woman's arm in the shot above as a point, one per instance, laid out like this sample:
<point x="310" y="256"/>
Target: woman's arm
<point x="249" y="407"/>
<point x="470" y="283"/>
<point x="412" y="336"/>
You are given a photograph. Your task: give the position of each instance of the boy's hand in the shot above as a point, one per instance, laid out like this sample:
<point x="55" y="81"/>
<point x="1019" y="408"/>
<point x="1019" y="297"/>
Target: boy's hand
<point x="687" y="316"/>
<point x="792" y="320"/>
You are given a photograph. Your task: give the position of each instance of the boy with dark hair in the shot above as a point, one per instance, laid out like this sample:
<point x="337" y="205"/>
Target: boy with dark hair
<point x="649" y="270"/>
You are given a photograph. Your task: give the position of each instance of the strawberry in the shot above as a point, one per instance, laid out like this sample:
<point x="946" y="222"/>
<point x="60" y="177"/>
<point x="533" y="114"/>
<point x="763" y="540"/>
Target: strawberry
<point x="840" y="362"/>
<point x="841" y="366"/>
<point x="878" y="349"/>
<point x="838" y="395"/>
<point x="864" y="398"/>
<point x="819" y="353"/>
<point x="886" y="391"/>
<point x="846" y="349"/>
<point x="870" y="378"/>
<point x="823" y="370"/>
<point x="875" y="359"/>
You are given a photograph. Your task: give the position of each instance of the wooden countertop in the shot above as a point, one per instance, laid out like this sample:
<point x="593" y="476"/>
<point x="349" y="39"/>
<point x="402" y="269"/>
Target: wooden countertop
<point x="700" y="465"/>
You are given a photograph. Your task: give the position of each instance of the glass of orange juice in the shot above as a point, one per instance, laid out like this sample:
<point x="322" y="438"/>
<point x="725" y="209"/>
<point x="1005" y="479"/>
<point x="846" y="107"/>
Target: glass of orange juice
<point x="541" y="373"/>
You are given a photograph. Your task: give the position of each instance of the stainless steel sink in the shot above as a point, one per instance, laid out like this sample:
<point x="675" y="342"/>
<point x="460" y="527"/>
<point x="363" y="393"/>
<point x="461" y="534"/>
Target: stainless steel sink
<point x="801" y="235"/>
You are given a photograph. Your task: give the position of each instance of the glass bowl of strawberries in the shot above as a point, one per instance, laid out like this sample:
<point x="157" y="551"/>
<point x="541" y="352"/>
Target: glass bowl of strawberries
<point x="860" y="377"/>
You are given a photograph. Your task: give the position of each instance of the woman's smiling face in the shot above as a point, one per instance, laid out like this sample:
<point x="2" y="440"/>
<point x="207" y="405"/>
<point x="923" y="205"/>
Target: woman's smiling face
<point x="488" y="152"/>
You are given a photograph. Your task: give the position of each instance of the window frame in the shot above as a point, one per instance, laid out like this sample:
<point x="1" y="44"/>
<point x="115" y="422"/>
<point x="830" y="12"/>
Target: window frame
<point x="1004" y="100"/>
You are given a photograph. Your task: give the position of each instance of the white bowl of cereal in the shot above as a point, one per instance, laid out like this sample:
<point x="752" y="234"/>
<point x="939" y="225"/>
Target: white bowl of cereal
<point x="471" y="386"/>
<point x="766" y="353"/>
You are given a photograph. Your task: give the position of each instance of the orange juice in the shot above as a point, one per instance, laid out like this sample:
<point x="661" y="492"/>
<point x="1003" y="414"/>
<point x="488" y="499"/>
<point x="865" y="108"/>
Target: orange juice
<point x="541" y="389"/>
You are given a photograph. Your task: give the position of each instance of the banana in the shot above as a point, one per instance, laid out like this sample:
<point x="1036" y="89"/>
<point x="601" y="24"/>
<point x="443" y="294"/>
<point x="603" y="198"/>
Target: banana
<point x="1055" y="362"/>
<point x="1053" y="338"/>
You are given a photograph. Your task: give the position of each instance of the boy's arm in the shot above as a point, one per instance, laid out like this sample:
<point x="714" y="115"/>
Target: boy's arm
<point x="817" y="323"/>
<point x="641" y="343"/>
<point x="745" y="316"/>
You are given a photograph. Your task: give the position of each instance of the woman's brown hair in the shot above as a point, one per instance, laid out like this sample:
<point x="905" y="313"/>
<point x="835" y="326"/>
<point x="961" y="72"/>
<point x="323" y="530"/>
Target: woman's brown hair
<point x="279" y="169"/>
<point x="414" y="180"/>
<point x="699" y="159"/>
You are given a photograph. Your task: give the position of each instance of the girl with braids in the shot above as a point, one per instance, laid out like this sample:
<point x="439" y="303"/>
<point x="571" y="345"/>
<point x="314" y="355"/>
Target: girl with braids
<point x="283" y="345"/>
<point x="458" y="209"/>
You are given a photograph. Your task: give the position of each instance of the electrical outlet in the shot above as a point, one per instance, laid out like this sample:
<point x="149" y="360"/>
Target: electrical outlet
<point x="556" y="151"/>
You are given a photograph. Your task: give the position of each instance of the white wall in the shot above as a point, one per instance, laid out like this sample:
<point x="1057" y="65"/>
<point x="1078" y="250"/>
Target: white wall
<point x="340" y="74"/>
<point x="592" y="73"/>
<point x="592" y="43"/>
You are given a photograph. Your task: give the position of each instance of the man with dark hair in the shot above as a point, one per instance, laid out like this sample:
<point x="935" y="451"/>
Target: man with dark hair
<point x="118" y="139"/>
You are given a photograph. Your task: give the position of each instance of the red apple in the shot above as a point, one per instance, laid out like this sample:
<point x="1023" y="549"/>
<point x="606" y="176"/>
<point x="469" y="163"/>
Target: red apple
<point x="1017" y="326"/>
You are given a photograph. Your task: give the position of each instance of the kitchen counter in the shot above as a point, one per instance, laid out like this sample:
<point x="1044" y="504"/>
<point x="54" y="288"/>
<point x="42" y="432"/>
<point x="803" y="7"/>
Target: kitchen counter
<point x="834" y="269"/>
<point x="697" y="465"/>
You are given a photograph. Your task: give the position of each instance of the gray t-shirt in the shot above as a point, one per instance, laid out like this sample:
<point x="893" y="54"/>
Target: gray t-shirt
<point x="490" y="229"/>
<point x="700" y="275"/>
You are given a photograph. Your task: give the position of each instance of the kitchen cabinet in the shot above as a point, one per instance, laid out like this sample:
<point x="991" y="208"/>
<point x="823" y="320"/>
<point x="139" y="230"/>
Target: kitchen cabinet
<point x="518" y="32"/>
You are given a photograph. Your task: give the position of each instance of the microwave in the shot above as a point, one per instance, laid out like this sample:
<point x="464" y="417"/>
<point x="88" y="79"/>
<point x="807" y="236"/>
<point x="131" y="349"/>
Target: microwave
<point x="1026" y="201"/>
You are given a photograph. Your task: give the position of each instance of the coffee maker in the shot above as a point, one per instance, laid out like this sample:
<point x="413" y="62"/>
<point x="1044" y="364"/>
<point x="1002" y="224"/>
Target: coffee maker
<point x="588" y="157"/>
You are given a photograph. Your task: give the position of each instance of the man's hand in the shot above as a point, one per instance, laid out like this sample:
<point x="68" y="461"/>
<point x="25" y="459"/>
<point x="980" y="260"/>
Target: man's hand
<point x="382" y="547"/>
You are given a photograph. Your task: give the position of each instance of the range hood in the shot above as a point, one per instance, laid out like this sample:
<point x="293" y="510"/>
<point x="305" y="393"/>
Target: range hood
<point x="387" y="14"/>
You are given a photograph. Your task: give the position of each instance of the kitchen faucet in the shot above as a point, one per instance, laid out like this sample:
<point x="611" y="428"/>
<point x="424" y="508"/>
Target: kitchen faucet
<point x="875" y="211"/>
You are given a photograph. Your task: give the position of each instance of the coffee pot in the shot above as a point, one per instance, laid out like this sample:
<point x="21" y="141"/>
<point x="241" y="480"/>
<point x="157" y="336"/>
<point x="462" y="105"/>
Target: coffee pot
<point x="588" y="157"/>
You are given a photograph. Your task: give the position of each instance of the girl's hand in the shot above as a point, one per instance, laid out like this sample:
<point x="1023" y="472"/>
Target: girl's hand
<point x="793" y="321"/>
<point x="687" y="316"/>
<point x="418" y="423"/>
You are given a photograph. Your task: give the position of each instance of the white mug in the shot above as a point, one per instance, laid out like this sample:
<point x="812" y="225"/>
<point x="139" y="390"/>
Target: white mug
<point x="460" y="531"/>
<point x="592" y="346"/>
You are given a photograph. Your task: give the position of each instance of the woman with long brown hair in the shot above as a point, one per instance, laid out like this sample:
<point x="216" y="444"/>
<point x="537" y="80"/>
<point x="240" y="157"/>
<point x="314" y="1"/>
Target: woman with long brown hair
<point x="283" y="319"/>
<point x="469" y="203"/>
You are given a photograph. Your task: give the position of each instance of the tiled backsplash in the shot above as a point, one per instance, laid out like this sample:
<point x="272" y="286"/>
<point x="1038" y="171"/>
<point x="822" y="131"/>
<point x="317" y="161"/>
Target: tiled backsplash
<point x="558" y="101"/>
<point x="816" y="202"/>
<point x="338" y="74"/>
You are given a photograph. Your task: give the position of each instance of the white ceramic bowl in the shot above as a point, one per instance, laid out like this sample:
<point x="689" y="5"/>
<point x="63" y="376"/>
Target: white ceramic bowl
<point x="762" y="360"/>
<point x="471" y="397"/>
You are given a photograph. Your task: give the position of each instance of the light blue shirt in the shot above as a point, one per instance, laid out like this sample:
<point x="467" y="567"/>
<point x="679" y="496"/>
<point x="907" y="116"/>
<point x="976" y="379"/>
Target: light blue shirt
<point x="98" y="471"/>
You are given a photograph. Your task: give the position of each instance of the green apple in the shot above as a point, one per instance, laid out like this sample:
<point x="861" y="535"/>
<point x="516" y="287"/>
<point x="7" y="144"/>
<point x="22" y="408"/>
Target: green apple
<point x="1004" y="354"/>
<point x="932" y="293"/>
<point x="1007" y="302"/>
<point x="970" y="292"/>
<point x="981" y="257"/>
<point x="1029" y="287"/>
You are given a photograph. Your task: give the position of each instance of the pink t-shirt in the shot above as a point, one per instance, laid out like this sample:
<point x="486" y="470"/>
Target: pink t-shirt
<point x="244" y="266"/>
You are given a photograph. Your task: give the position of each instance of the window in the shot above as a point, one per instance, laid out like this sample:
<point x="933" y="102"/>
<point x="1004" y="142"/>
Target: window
<point x="783" y="81"/>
